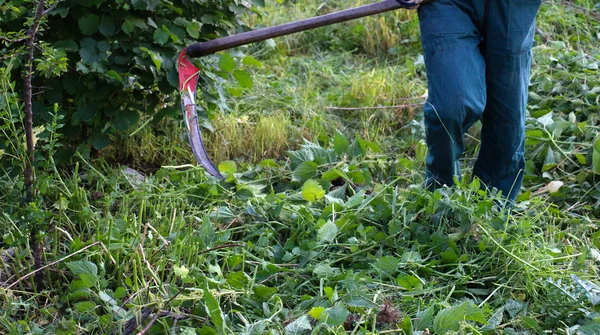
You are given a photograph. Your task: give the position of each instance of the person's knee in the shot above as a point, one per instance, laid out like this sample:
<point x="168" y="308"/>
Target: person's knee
<point x="447" y="115"/>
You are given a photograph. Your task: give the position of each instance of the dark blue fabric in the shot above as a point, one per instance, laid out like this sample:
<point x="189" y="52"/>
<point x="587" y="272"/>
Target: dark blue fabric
<point x="474" y="77"/>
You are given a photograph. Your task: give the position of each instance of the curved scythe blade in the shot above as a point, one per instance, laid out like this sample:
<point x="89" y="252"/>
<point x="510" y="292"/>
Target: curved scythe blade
<point x="188" y="79"/>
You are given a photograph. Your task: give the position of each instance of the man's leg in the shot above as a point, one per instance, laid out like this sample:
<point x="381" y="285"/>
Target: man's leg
<point x="456" y="80"/>
<point x="511" y="27"/>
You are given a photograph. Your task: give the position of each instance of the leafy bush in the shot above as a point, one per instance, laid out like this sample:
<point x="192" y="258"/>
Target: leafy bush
<point x="105" y="62"/>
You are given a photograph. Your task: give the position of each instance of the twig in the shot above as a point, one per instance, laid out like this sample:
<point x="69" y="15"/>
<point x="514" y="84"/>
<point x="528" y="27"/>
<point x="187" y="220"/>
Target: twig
<point x="160" y="315"/>
<point x="108" y="253"/>
<point x="13" y="40"/>
<point x="229" y="245"/>
<point x="51" y="8"/>
<point x="373" y="107"/>
<point x="132" y="323"/>
<point x="157" y="234"/>
<point x="51" y="264"/>
<point x="36" y="247"/>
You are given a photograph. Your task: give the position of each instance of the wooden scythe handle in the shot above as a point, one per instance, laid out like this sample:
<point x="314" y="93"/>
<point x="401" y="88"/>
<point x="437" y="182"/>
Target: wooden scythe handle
<point x="224" y="43"/>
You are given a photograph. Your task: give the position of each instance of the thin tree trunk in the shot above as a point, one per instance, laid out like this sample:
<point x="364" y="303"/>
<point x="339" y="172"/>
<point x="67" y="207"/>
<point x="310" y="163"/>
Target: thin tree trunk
<point x="35" y="244"/>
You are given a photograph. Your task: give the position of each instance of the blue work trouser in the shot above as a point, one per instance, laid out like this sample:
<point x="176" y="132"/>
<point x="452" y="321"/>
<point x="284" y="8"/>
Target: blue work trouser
<point x="478" y="59"/>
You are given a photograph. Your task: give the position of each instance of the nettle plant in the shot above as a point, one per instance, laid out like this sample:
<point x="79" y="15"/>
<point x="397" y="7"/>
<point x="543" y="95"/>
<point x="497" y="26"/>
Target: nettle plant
<point x="107" y="62"/>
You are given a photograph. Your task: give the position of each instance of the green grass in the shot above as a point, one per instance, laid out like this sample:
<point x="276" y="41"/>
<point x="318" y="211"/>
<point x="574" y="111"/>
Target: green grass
<point x="321" y="226"/>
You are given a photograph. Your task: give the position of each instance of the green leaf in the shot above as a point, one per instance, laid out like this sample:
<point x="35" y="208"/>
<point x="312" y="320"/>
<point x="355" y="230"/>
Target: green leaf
<point x="127" y="27"/>
<point x="264" y="293"/>
<point x="114" y="75"/>
<point x="88" y="24"/>
<point x="340" y="143"/>
<point x="88" y="50"/>
<point x="323" y="270"/>
<point x="251" y="61"/>
<point x="312" y="191"/>
<point x="84" y="306"/>
<point x="387" y="265"/>
<point x="66" y="45"/>
<point x="495" y="320"/>
<point x="227" y="63"/>
<point x="155" y="56"/>
<point x="181" y="271"/>
<point x="193" y="29"/>
<point x="358" y="301"/>
<point x="449" y="319"/>
<point x="237" y="280"/>
<point x="244" y="78"/>
<point x="161" y="35"/>
<point x="449" y="256"/>
<point x="409" y="282"/>
<point x="213" y="309"/>
<point x="120" y="292"/>
<point x="228" y="167"/>
<point x="300" y="326"/>
<point x="305" y="171"/>
<point x="425" y="318"/>
<point x="83" y="267"/>
<point x="336" y="316"/>
<point x="107" y="26"/>
<point x="327" y="233"/>
<point x="316" y="312"/>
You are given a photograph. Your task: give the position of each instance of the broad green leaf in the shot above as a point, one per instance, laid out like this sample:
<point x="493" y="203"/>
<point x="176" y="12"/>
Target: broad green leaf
<point x="156" y="57"/>
<point x="227" y="63"/>
<point x="425" y="318"/>
<point x="88" y="24"/>
<point x="323" y="270"/>
<point x="114" y="75"/>
<point x="84" y="306"/>
<point x="83" y="267"/>
<point x="107" y="298"/>
<point x="181" y="271"/>
<point x="127" y="27"/>
<point x="120" y="292"/>
<point x="409" y="282"/>
<point x="449" y="319"/>
<point x="336" y="316"/>
<point x="228" y="167"/>
<point x="305" y="171"/>
<point x="161" y="35"/>
<point x="449" y="256"/>
<point x="316" y="312"/>
<point x="88" y="50"/>
<point x="244" y="78"/>
<point x="327" y="233"/>
<point x="358" y="301"/>
<point x="193" y="29"/>
<point x="107" y="26"/>
<point x="251" y="61"/>
<point x="66" y="45"/>
<point x="237" y="280"/>
<point x="312" y="191"/>
<point x="387" y="265"/>
<point x="264" y="293"/>
<point x="340" y="143"/>
<point x="300" y="326"/>
<point x="213" y="309"/>
<point x="495" y="320"/>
